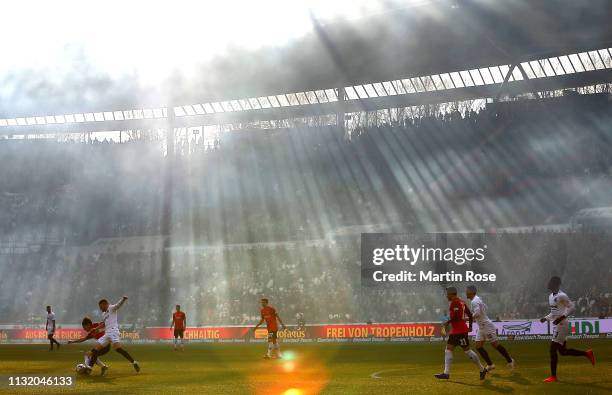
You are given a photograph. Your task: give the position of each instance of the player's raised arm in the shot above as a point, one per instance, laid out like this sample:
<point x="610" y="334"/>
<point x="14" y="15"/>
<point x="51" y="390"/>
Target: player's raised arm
<point x="120" y="303"/>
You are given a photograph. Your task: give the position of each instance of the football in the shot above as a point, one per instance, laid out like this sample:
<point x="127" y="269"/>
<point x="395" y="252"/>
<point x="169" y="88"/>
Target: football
<point x="82" y="369"/>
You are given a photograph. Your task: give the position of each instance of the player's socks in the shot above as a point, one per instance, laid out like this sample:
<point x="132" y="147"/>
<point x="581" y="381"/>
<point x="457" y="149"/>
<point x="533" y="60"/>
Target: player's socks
<point x="474" y="357"/>
<point x="93" y="358"/>
<point x="91" y="364"/>
<point x="553" y="360"/>
<point x="574" y="353"/>
<point x="590" y="356"/>
<point x="125" y="354"/>
<point x="502" y="350"/>
<point x="511" y="365"/>
<point x="485" y="355"/>
<point x="448" y="361"/>
<point x="269" y="354"/>
<point x="276" y="348"/>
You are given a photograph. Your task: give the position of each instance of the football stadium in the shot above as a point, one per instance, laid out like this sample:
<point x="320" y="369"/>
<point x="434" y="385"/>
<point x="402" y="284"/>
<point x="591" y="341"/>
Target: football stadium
<point x="306" y="197"/>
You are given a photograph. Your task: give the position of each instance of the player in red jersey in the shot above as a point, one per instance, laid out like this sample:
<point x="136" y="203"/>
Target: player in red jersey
<point x="458" y="335"/>
<point x="94" y="331"/>
<point x="179" y="322"/>
<point x="270" y="316"/>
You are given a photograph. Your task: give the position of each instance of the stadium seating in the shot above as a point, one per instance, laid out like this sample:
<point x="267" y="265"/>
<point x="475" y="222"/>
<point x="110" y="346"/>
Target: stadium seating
<point x="511" y="164"/>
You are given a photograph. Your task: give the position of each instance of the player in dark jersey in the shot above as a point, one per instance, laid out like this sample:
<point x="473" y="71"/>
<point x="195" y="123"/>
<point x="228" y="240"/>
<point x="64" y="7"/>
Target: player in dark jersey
<point x="94" y="331"/>
<point x="179" y="323"/>
<point x="270" y="316"/>
<point x="458" y="335"/>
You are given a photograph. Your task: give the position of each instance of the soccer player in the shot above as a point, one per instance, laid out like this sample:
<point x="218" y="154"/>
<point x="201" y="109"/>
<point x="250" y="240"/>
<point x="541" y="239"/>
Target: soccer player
<point x="94" y="331"/>
<point x="270" y="316"/>
<point x="458" y="335"/>
<point x="50" y="326"/>
<point x="486" y="330"/>
<point x="560" y="308"/>
<point x="179" y="322"/>
<point x="111" y="332"/>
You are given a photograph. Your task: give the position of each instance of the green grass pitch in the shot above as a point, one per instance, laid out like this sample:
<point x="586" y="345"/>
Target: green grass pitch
<point x="388" y="368"/>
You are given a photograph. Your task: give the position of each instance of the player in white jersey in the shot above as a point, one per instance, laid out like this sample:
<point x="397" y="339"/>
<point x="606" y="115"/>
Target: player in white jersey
<point x="560" y="308"/>
<point x="111" y="332"/>
<point x="486" y="330"/>
<point x="50" y="327"/>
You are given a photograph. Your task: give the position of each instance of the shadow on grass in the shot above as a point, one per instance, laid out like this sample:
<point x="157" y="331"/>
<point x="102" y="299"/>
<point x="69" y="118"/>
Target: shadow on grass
<point x="107" y="379"/>
<point x="515" y="377"/>
<point x="595" y="387"/>
<point x="487" y="385"/>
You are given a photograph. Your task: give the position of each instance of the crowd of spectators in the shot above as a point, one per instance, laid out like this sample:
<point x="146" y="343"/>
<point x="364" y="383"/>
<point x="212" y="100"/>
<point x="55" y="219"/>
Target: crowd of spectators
<point x="511" y="164"/>
<point x="318" y="281"/>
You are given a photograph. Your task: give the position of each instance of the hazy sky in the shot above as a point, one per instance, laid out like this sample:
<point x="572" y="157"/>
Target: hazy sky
<point x="151" y="38"/>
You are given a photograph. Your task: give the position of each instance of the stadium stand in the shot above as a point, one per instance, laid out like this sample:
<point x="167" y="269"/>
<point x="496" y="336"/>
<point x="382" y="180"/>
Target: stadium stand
<point x="280" y="202"/>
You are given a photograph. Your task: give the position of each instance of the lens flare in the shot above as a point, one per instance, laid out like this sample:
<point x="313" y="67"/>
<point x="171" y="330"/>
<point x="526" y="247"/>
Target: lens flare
<point x="289" y="355"/>
<point x="289" y="367"/>
<point x="297" y="373"/>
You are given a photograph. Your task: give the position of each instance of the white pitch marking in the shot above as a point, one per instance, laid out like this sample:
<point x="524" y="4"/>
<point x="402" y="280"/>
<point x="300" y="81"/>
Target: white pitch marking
<point x="376" y="375"/>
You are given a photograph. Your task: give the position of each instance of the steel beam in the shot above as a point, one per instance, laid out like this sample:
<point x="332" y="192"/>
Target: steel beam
<point x="340" y="107"/>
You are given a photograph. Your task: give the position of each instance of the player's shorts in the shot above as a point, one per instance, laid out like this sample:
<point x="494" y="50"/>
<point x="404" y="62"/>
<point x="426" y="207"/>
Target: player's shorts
<point x="179" y="332"/>
<point x="486" y="333"/>
<point x="109" y="338"/>
<point x="458" y="339"/>
<point x="272" y="335"/>
<point x="560" y="332"/>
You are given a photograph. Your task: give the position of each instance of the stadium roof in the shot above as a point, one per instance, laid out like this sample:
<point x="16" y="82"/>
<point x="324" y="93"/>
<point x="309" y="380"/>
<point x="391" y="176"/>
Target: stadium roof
<point x="383" y="59"/>
<point x="546" y="74"/>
